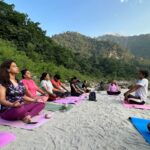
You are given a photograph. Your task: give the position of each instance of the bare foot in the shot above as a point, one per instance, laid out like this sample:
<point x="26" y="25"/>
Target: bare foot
<point x="126" y="100"/>
<point x="27" y="119"/>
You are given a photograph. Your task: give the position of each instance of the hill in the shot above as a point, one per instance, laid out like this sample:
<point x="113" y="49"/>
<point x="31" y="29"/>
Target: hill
<point x="87" y="46"/>
<point x="70" y="54"/>
<point x="138" y="45"/>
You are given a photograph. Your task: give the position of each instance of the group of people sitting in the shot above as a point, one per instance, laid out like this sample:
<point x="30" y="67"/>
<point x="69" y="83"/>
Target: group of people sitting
<point x="19" y="99"/>
<point x="140" y="89"/>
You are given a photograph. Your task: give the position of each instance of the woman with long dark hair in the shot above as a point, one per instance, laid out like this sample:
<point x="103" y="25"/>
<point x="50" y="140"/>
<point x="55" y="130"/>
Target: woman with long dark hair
<point x="13" y="95"/>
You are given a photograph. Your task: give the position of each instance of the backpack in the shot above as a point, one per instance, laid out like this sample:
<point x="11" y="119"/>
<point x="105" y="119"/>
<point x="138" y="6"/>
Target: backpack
<point x="92" y="96"/>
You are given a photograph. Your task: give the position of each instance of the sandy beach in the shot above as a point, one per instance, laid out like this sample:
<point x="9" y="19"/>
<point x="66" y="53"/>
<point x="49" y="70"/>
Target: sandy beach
<point x="101" y="125"/>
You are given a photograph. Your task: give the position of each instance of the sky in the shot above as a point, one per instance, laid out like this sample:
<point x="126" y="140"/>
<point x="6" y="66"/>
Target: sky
<point x="89" y="17"/>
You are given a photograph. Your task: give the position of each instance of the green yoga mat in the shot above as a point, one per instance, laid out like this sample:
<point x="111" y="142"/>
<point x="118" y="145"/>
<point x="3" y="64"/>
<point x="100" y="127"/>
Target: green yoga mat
<point x="56" y="107"/>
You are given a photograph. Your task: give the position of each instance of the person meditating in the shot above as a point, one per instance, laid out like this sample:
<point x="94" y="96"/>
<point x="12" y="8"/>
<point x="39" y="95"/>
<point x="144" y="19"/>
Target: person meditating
<point x="140" y="89"/>
<point x="13" y="97"/>
<point x="85" y="87"/>
<point x="113" y="88"/>
<point x="75" y="91"/>
<point x="60" y="89"/>
<point x="32" y="88"/>
<point x="47" y="86"/>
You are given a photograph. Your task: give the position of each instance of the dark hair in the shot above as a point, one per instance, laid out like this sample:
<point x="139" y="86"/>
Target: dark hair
<point x="57" y="76"/>
<point x="4" y="74"/>
<point x="23" y="72"/>
<point x="43" y="76"/>
<point x="144" y="72"/>
<point x="74" y="78"/>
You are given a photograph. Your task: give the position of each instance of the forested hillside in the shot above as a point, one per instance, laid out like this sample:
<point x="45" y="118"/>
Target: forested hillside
<point x="70" y="54"/>
<point x="106" y="56"/>
<point x="138" y="45"/>
<point x="86" y="46"/>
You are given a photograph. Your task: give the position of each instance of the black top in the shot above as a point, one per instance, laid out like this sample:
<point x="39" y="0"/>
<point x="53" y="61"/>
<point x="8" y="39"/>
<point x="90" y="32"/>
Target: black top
<point x="72" y="85"/>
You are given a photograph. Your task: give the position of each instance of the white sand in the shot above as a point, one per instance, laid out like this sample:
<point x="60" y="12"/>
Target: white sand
<point x="101" y="125"/>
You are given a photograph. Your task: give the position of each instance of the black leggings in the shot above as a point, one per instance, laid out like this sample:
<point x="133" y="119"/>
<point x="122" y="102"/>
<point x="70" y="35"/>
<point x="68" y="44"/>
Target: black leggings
<point x="113" y="93"/>
<point x="135" y="102"/>
<point x="75" y="94"/>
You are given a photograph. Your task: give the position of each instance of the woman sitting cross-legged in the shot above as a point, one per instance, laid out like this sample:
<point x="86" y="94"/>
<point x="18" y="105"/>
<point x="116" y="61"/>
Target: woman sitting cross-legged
<point x="75" y="91"/>
<point x="140" y="89"/>
<point x="12" y="96"/>
<point x="32" y="88"/>
<point x="59" y="89"/>
<point x="85" y="87"/>
<point x="47" y="86"/>
<point x="113" y="88"/>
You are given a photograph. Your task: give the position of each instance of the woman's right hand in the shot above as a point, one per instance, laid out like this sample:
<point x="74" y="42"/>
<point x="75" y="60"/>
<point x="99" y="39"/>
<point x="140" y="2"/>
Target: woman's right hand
<point x="54" y="95"/>
<point x="62" y="91"/>
<point x="16" y="104"/>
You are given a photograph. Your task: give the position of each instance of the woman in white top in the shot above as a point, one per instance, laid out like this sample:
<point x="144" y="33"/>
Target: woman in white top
<point x="140" y="89"/>
<point x="47" y="86"/>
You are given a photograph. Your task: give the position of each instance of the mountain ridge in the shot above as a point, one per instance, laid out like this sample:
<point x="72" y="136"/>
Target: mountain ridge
<point x="84" y="45"/>
<point x="139" y="45"/>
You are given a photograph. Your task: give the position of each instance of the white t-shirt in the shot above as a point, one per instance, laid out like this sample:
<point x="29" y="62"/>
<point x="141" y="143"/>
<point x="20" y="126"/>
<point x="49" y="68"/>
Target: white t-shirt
<point x="48" y="85"/>
<point x="143" y="90"/>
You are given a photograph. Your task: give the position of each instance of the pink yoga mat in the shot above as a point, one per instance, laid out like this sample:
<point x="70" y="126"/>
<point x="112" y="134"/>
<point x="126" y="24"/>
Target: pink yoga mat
<point x="71" y="100"/>
<point x="146" y="107"/>
<point x="20" y="124"/>
<point x="6" y="138"/>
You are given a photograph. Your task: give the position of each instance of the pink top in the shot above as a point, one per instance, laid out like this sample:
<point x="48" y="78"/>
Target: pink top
<point x="30" y="86"/>
<point x="113" y="88"/>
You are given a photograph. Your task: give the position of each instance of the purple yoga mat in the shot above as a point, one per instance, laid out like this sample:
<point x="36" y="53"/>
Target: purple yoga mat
<point x="71" y="99"/>
<point x="6" y="138"/>
<point x="20" y="124"/>
<point x="146" y="107"/>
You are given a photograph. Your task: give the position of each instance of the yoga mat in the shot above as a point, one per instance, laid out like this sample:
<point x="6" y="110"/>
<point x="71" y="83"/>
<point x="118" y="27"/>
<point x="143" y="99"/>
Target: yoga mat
<point x="20" y="124"/>
<point x="57" y="107"/>
<point x="141" y="126"/>
<point x="67" y="100"/>
<point x="71" y="100"/>
<point x="146" y="107"/>
<point x="6" y="138"/>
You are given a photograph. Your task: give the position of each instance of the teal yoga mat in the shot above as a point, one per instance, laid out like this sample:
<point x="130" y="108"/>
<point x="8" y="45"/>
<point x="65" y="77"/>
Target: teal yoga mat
<point x="57" y="107"/>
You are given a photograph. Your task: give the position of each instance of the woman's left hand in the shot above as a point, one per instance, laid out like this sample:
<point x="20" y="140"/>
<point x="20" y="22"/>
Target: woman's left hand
<point x="126" y="95"/>
<point x="45" y="94"/>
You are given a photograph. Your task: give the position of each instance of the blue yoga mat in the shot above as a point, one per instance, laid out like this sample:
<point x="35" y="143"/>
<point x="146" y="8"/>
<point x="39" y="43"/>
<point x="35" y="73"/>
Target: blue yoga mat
<point x="141" y="126"/>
